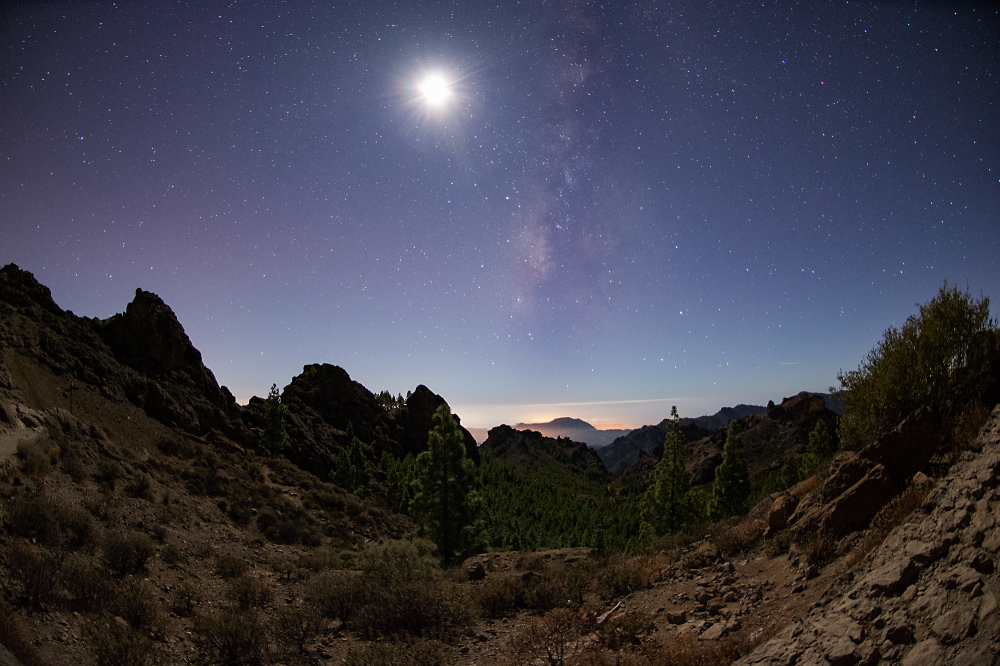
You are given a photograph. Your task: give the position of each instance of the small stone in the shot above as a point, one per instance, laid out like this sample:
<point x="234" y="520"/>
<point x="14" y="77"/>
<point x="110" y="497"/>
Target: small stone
<point x="677" y="617"/>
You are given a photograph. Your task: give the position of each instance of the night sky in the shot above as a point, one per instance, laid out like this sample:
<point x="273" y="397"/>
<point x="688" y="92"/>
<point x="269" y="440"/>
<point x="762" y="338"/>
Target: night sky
<point x="609" y="208"/>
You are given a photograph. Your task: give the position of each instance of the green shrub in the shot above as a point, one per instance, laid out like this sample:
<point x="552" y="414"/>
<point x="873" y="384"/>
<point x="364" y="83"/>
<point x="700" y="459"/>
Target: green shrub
<point x="139" y="486"/>
<point x="912" y="366"/>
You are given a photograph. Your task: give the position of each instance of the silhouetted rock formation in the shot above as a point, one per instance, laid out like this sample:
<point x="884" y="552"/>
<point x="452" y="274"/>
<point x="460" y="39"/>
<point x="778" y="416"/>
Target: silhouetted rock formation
<point x="527" y="449"/>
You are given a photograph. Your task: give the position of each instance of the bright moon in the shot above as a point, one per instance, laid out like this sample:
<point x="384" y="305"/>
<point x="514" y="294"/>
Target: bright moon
<point x="434" y="90"/>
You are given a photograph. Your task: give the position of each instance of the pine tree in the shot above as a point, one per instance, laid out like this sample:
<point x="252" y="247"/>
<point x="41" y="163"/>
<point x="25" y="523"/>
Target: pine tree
<point x="445" y="502"/>
<point x="666" y="507"/>
<point x="732" y="480"/>
<point x="820" y="448"/>
<point x="273" y="437"/>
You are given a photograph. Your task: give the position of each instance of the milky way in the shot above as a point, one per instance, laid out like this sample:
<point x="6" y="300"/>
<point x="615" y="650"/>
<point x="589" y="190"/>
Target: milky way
<point x="615" y="207"/>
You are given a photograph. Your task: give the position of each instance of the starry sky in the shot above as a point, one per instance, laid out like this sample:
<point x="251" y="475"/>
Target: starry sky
<point x="537" y="209"/>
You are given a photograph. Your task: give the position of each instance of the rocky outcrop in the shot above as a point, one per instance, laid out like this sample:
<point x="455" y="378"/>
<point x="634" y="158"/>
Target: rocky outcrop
<point x="860" y="484"/>
<point x="928" y="595"/>
<point x="527" y="449"/>
<point x="323" y="400"/>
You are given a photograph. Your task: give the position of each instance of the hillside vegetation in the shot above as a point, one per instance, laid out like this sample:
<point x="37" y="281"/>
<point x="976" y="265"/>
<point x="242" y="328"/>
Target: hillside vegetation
<point x="147" y="518"/>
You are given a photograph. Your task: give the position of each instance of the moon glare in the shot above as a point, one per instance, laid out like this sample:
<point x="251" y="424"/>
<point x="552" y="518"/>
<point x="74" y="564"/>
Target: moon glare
<point x="435" y="90"/>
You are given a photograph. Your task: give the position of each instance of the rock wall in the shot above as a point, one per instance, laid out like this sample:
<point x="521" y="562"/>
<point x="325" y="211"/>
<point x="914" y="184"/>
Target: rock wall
<point x="928" y="595"/>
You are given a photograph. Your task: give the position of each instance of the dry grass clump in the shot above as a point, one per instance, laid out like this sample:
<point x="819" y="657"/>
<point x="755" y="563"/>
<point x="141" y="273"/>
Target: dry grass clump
<point x="498" y="596"/>
<point x="621" y="575"/>
<point x="892" y="514"/>
<point x="735" y="536"/>
<point x="820" y="549"/>
<point x="968" y="424"/>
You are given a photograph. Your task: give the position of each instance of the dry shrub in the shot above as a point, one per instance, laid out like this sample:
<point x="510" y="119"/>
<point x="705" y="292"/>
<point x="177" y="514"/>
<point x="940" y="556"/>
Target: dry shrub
<point x="432" y="609"/>
<point x="229" y="566"/>
<point x="553" y="639"/>
<point x="127" y="552"/>
<point x="185" y="597"/>
<point x="416" y="653"/>
<point x="36" y="570"/>
<point x="337" y="595"/>
<point x="626" y="630"/>
<point x="248" y="592"/>
<point x="139" y="486"/>
<point x="735" y="536"/>
<point x="293" y="627"/>
<point x="116" y="644"/>
<point x="892" y="514"/>
<point x="89" y="587"/>
<point x="36" y="517"/>
<point x="230" y="637"/>
<point x="621" y="575"/>
<point x="12" y="637"/>
<point x="36" y="458"/>
<point x="172" y="554"/>
<point x="135" y="601"/>
<point x="498" y="596"/>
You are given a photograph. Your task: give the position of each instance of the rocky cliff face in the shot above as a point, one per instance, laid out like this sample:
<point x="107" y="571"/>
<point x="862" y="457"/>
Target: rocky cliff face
<point x="929" y="594"/>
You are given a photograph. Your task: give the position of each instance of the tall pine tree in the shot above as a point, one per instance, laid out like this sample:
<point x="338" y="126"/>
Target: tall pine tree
<point x="666" y="507"/>
<point x="732" y="479"/>
<point x="445" y="502"/>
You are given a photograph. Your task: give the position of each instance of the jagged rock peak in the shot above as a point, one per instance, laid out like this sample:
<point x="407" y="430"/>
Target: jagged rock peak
<point x="148" y="337"/>
<point x="21" y="289"/>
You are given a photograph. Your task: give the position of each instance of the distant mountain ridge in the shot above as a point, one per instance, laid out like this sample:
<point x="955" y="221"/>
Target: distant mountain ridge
<point x="625" y="452"/>
<point x="576" y="429"/>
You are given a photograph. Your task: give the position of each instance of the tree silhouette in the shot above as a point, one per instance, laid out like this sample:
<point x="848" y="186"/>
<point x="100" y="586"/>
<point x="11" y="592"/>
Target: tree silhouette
<point x="666" y="507"/>
<point x="445" y="502"/>
<point x="273" y="437"/>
